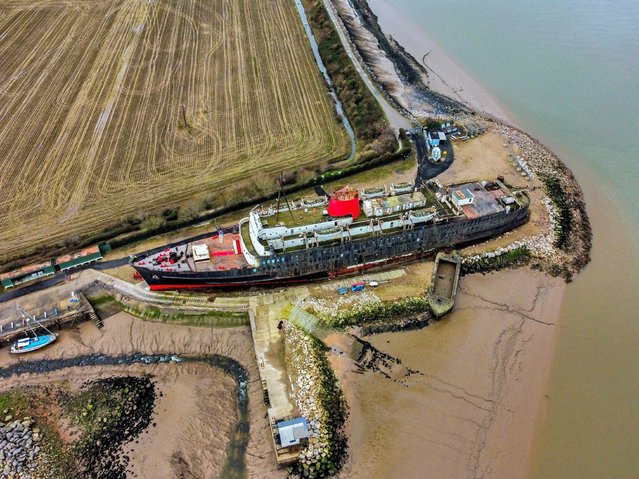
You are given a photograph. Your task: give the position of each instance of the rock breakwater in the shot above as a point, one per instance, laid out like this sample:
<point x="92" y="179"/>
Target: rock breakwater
<point x="320" y="400"/>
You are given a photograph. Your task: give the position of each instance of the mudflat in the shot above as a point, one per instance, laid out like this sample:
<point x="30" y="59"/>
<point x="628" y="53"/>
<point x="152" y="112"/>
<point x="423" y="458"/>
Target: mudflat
<point x="471" y="408"/>
<point x="197" y="407"/>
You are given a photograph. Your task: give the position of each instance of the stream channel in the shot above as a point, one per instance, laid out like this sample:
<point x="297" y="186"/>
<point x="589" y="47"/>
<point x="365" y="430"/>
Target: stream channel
<point x="318" y="59"/>
<point x="235" y="465"/>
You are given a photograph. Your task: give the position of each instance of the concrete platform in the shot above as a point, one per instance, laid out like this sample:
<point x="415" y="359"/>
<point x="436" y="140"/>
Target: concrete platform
<point x="265" y="314"/>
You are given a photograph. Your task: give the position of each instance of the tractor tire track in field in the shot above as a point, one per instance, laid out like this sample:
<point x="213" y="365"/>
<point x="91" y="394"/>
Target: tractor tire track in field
<point x="93" y="95"/>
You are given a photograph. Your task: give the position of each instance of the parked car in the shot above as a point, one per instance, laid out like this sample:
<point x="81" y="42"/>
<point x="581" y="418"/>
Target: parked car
<point x="356" y="287"/>
<point x="342" y="290"/>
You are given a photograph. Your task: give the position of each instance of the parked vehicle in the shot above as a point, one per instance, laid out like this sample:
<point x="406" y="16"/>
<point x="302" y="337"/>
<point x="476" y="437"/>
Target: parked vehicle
<point x="357" y="287"/>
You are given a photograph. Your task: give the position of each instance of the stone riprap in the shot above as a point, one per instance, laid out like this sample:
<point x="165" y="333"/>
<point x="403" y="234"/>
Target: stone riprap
<point x="19" y="449"/>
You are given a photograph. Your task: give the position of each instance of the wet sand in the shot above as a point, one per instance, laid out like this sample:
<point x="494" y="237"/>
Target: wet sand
<point x="197" y="410"/>
<point x="445" y="76"/>
<point x="471" y="412"/>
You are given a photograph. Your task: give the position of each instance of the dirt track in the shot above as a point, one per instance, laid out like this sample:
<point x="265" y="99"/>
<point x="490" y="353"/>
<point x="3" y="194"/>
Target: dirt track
<point x="114" y="107"/>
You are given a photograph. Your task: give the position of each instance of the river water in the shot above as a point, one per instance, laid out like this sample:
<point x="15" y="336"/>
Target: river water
<point x="567" y="72"/>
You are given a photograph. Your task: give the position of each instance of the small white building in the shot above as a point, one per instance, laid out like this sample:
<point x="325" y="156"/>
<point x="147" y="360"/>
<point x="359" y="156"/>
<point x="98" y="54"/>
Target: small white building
<point x="462" y="197"/>
<point x="293" y="432"/>
<point x="436" y="138"/>
<point x="201" y="252"/>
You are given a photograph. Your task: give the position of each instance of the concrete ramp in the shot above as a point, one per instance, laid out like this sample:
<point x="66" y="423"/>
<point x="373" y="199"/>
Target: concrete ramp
<point x="309" y="323"/>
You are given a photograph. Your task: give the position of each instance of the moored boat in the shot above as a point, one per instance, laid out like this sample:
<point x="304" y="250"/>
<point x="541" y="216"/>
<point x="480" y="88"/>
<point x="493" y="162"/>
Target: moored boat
<point x="35" y="342"/>
<point x="443" y="288"/>
<point x="27" y="345"/>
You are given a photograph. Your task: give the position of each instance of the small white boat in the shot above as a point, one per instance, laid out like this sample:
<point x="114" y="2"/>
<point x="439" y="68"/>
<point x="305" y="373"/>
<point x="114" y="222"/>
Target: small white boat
<point x="26" y="345"/>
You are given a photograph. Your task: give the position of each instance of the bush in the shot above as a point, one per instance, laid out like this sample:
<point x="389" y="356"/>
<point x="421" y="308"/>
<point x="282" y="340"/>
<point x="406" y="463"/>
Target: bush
<point x="152" y="223"/>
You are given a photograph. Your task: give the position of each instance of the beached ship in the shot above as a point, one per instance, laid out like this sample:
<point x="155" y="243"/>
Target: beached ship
<point x="443" y="287"/>
<point x="323" y="237"/>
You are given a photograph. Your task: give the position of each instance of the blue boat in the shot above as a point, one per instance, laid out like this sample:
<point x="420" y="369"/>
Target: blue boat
<point x="26" y="345"/>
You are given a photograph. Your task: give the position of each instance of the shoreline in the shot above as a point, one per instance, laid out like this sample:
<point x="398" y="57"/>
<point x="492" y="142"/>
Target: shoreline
<point x="126" y="336"/>
<point x="477" y="396"/>
<point x="506" y="460"/>
<point x="564" y="249"/>
<point x="448" y="77"/>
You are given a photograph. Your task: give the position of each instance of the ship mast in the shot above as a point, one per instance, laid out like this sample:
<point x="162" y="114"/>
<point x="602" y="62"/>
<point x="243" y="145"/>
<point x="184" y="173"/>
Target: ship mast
<point x="280" y="192"/>
<point x="27" y="318"/>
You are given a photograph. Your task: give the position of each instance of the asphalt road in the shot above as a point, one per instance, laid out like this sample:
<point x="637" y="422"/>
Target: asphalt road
<point x="427" y="169"/>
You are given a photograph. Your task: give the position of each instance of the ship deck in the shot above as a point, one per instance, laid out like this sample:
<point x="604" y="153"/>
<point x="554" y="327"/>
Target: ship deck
<point x="485" y="202"/>
<point x="224" y="254"/>
<point x="301" y="216"/>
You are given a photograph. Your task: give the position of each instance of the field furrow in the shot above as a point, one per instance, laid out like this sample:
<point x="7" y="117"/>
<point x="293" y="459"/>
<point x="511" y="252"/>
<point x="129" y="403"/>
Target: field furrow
<point x="113" y="108"/>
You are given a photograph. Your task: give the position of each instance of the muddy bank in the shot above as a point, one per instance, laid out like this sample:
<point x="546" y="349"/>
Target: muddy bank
<point x="182" y="445"/>
<point x="402" y="79"/>
<point x="123" y="334"/>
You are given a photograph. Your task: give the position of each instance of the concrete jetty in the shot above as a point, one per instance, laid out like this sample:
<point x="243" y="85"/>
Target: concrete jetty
<point x="266" y="313"/>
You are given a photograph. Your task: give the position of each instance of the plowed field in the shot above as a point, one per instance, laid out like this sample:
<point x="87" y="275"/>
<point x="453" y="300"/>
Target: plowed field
<point x="94" y="96"/>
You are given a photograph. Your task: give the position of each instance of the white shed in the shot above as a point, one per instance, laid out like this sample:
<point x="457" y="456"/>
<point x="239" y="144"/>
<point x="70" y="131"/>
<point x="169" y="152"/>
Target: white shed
<point x="463" y="197"/>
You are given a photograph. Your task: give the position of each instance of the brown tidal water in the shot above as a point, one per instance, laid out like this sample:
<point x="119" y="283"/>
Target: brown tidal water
<point x="590" y="424"/>
<point x="566" y="71"/>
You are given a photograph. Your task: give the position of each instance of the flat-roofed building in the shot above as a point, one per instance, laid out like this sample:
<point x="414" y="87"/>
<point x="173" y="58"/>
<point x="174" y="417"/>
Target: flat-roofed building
<point x="26" y="274"/>
<point x="436" y="138"/>
<point x="393" y="204"/>
<point x="79" y="258"/>
<point x="293" y="432"/>
<point x="463" y="197"/>
<point x="201" y="252"/>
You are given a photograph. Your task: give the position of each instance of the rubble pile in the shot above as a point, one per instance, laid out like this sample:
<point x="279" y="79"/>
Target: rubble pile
<point x="327" y="307"/>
